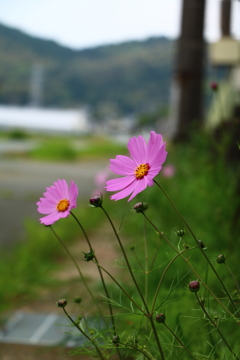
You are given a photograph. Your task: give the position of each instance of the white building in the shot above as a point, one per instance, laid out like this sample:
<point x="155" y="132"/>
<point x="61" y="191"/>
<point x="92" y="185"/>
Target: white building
<point x="42" y="119"/>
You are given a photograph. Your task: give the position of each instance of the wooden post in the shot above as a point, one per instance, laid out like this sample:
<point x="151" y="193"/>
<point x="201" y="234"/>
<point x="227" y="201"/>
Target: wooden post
<point x="189" y="68"/>
<point x="226" y="17"/>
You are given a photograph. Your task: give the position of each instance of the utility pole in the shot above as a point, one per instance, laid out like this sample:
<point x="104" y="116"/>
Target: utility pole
<point x="226" y="17"/>
<point x="189" y="69"/>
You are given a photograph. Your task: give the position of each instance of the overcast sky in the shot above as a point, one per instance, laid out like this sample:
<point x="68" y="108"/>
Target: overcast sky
<point x="87" y="23"/>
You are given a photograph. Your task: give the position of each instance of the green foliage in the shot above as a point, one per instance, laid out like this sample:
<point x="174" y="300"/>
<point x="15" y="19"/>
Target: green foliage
<point x="17" y="134"/>
<point x="54" y="149"/>
<point x="72" y="148"/>
<point x="101" y="147"/>
<point x="27" y="267"/>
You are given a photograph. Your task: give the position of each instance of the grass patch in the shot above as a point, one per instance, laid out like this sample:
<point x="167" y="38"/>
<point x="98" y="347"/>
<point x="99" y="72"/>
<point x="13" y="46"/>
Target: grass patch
<point x="28" y="266"/>
<point x="52" y="149"/>
<point x="72" y="148"/>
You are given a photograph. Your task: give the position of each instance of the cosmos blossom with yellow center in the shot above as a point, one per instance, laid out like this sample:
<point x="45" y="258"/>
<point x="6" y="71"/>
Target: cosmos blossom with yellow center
<point x="138" y="170"/>
<point x="58" y="201"/>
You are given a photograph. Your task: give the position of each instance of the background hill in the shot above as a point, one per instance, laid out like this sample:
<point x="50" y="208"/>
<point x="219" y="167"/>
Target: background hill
<point x="125" y="78"/>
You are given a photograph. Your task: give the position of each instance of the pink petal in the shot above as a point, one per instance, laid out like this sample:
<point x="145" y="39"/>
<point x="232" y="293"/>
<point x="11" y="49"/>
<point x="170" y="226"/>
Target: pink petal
<point x="154" y="172"/>
<point x="159" y="158"/>
<point x="154" y="145"/>
<point x="125" y="192"/>
<point x="53" y="217"/>
<point x="122" y="165"/>
<point x="149" y="180"/>
<point x="46" y="207"/>
<point x="73" y="194"/>
<point x="50" y="219"/>
<point x="138" y="149"/>
<point x="51" y="195"/>
<point x="140" y="186"/>
<point x="120" y="183"/>
<point x="62" y="189"/>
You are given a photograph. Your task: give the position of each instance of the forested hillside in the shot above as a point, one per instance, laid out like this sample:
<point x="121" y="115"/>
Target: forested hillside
<point x="128" y="77"/>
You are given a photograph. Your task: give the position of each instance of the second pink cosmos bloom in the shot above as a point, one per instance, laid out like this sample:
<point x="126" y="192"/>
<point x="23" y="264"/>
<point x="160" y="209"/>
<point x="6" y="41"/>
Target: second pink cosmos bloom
<point x="139" y="170"/>
<point x="58" y="201"/>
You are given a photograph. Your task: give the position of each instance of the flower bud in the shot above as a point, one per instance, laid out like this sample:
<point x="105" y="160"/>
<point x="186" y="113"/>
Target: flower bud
<point x="214" y="86"/>
<point x="220" y="259"/>
<point x="160" y="318"/>
<point x="194" y="286"/>
<point x="62" y="303"/>
<point x="96" y="201"/>
<point x="89" y="255"/>
<point x="201" y="244"/>
<point x="116" y="340"/>
<point x="140" y="207"/>
<point x="180" y="233"/>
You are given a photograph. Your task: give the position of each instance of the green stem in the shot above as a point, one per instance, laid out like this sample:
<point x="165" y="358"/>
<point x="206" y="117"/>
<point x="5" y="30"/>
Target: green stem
<point x="126" y="260"/>
<point x="138" y="260"/>
<point x="142" y="351"/>
<point x="156" y="336"/>
<point x="215" y="326"/>
<point x="85" y="334"/>
<point x="101" y="276"/>
<point x="120" y="287"/>
<point x="146" y="271"/>
<point x="83" y="230"/>
<point x="196" y="240"/>
<point x="180" y="342"/>
<point x="163" y="275"/>
<point x="232" y="275"/>
<point x="187" y="262"/>
<point x="135" y="283"/>
<point x="78" y="269"/>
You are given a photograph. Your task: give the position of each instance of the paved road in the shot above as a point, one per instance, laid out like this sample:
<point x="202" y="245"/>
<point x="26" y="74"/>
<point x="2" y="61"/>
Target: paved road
<point x="23" y="182"/>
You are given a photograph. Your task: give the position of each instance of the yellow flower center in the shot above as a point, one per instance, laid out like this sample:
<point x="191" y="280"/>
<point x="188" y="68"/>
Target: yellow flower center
<point x="141" y="171"/>
<point x="62" y="205"/>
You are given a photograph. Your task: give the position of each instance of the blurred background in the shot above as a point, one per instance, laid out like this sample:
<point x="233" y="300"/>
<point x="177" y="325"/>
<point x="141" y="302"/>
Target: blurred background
<point x="78" y="78"/>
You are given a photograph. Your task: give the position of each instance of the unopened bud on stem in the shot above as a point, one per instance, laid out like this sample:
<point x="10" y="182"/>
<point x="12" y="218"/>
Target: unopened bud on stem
<point x="62" y="303"/>
<point x="180" y="233"/>
<point x="96" y="201"/>
<point x="194" y="286"/>
<point x="140" y="207"/>
<point x="160" y="318"/>
<point x="220" y="259"/>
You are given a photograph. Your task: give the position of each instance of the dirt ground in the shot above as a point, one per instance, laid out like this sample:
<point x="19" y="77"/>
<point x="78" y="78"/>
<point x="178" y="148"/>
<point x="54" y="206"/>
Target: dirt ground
<point x="107" y="251"/>
<point x="32" y="352"/>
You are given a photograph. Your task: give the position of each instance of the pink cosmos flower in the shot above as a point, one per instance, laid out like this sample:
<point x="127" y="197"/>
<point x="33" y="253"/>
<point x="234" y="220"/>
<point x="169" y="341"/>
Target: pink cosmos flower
<point x="168" y="171"/>
<point x="101" y="178"/>
<point x="59" y="200"/>
<point x="139" y="170"/>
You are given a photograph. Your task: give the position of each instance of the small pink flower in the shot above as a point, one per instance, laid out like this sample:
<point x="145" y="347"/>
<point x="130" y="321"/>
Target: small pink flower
<point x="59" y="200"/>
<point x="101" y="177"/>
<point x="139" y="170"/>
<point x="100" y="181"/>
<point x="168" y="171"/>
